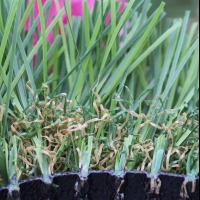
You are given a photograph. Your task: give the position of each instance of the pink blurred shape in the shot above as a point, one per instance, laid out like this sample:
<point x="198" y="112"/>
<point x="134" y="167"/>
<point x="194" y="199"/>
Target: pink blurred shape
<point x="76" y="9"/>
<point x="121" y="8"/>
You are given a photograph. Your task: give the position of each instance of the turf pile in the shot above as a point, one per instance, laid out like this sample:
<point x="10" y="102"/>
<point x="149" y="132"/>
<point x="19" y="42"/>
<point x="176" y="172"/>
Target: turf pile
<point x="107" y="94"/>
<point x="54" y="136"/>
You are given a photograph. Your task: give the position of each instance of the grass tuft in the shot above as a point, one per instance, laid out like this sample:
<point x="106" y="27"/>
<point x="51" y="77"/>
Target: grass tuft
<point x="119" y="94"/>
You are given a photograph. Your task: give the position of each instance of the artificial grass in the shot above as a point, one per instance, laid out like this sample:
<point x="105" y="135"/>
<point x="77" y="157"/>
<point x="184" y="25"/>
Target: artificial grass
<point x="120" y="96"/>
<point x="64" y="137"/>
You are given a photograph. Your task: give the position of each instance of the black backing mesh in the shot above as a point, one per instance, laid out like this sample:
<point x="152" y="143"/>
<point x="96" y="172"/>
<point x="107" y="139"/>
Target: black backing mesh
<point x="103" y="186"/>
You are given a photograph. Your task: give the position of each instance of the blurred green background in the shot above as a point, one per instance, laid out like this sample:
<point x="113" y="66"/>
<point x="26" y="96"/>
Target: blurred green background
<point x="177" y="8"/>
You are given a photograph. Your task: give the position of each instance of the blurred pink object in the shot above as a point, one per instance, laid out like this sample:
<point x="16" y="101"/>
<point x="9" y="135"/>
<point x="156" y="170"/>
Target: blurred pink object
<point x="76" y="9"/>
<point x="120" y="10"/>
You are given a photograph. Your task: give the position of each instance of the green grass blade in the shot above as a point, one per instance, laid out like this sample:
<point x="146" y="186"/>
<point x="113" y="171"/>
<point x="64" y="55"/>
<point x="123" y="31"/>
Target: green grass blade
<point x="115" y="78"/>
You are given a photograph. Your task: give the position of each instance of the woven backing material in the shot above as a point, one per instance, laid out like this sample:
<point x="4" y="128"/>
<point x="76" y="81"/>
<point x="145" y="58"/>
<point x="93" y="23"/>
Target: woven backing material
<point x="102" y="185"/>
